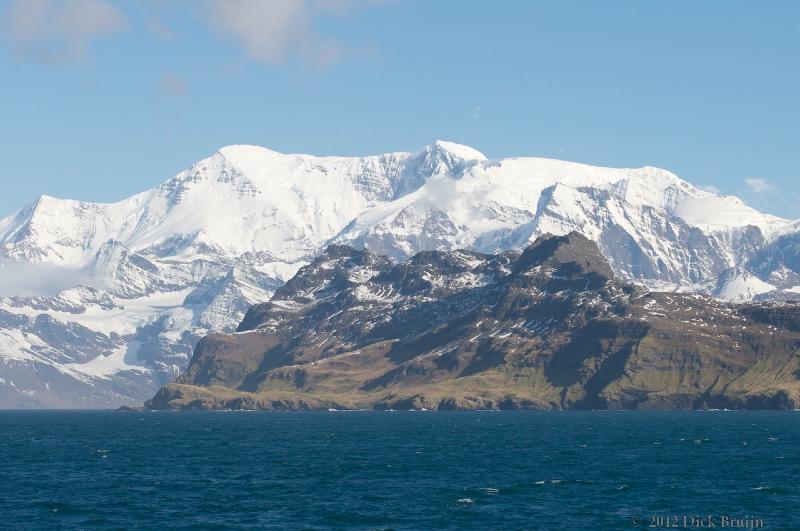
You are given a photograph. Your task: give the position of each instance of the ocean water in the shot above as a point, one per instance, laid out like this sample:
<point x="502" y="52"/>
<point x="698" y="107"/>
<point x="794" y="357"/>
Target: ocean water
<point x="398" y="470"/>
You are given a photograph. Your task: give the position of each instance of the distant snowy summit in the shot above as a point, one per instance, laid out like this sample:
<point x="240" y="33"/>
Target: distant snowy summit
<point x="102" y="303"/>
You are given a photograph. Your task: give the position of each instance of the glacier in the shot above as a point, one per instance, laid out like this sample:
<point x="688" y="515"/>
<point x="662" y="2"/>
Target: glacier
<point x="101" y="304"/>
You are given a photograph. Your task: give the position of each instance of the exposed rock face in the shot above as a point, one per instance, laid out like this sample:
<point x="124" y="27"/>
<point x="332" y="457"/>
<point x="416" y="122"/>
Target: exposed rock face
<point x="548" y="328"/>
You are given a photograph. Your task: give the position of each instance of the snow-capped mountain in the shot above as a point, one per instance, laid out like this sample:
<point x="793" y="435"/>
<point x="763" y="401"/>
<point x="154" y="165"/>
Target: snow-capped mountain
<point x="102" y="303"/>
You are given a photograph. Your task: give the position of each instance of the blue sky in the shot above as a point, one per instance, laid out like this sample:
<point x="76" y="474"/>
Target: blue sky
<point x="103" y="99"/>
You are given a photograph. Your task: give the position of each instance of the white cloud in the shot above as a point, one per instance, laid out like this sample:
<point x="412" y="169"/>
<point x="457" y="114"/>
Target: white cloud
<point x="59" y="30"/>
<point x="273" y="31"/>
<point x="31" y="280"/>
<point x="759" y="186"/>
<point x="710" y="188"/>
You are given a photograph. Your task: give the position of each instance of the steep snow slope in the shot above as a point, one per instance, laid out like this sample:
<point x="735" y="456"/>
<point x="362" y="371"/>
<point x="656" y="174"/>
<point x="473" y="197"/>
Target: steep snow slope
<point x="651" y="224"/>
<point x="241" y="199"/>
<point x="739" y="285"/>
<point x="163" y="267"/>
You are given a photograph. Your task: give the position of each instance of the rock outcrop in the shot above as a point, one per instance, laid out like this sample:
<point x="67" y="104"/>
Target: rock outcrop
<point x="548" y="328"/>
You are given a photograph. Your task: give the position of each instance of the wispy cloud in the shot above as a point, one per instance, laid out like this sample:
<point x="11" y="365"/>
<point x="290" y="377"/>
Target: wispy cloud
<point x="29" y="280"/>
<point x="269" y="31"/>
<point x="759" y="186"/>
<point x="709" y="188"/>
<point x="275" y="31"/>
<point x="59" y="30"/>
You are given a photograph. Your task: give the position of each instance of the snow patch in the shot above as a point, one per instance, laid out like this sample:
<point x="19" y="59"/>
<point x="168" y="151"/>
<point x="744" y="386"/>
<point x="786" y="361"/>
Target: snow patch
<point x="106" y="366"/>
<point x="742" y="286"/>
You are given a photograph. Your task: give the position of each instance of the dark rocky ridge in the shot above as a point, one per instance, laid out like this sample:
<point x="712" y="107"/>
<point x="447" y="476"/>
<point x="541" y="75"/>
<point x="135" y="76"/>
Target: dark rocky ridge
<point x="550" y="328"/>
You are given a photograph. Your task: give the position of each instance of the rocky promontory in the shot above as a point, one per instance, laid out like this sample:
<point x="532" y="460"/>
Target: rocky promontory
<point x="547" y="328"/>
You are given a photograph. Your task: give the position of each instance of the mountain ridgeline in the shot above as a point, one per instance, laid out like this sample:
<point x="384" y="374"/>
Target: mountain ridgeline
<point x="102" y="304"/>
<point x="546" y="328"/>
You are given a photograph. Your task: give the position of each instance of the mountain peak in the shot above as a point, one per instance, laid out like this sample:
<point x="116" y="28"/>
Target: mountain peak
<point x="44" y="200"/>
<point x="574" y="249"/>
<point x="248" y="157"/>
<point x="252" y="153"/>
<point x="236" y="150"/>
<point x="458" y="150"/>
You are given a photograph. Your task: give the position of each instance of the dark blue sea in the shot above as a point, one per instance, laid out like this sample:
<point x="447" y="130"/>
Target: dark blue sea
<point x="398" y="470"/>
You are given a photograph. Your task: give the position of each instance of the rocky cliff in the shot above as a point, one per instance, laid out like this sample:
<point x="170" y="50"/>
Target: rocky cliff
<point x="547" y="328"/>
